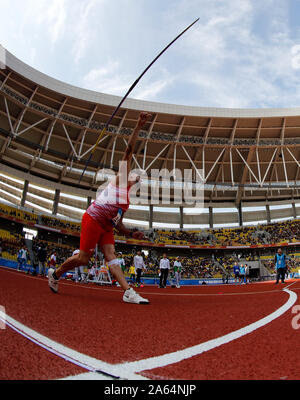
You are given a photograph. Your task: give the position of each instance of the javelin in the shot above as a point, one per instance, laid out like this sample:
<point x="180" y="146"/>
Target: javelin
<point x="127" y="94"/>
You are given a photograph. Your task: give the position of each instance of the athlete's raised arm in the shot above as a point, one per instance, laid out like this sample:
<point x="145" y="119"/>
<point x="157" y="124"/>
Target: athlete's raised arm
<point x="143" y="118"/>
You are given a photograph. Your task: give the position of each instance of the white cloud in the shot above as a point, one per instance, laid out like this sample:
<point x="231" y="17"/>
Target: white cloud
<point x="238" y="55"/>
<point x="56" y="17"/>
<point x="46" y="16"/>
<point x="111" y="80"/>
<point x="233" y="65"/>
<point x="151" y="91"/>
<point x="84" y="32"/>
<point x="107" y="79"/>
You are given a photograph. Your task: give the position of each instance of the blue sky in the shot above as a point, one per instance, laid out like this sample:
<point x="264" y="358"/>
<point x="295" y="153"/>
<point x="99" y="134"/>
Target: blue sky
<point x="242" y="53"/>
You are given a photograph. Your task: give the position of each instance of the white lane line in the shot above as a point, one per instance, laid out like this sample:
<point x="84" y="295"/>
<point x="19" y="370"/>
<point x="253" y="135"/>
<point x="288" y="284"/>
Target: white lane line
<point x="88" y="376"/>
<point x="84" y="361"/>
<point x="177" y="356"/>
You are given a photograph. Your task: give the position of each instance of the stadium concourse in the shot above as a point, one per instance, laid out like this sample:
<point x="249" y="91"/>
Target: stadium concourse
<point x="247" y="208"/>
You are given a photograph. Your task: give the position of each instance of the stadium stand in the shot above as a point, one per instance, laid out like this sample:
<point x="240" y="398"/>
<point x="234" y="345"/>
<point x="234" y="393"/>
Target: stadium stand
<point x="277" y="233"/>
<point x="24" y="216"/>
<point x="198" y="266"/>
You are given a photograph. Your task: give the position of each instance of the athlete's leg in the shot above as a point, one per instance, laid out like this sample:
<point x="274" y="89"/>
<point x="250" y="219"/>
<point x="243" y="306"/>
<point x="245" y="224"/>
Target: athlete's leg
<point x="79" y="259"/>
<point x="114" y="266"/>
<point x="90" y="235"/>
<point x="108" y="249"/>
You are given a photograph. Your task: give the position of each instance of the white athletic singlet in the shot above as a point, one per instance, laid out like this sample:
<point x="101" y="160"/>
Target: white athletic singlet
<point x="109" y="206"/>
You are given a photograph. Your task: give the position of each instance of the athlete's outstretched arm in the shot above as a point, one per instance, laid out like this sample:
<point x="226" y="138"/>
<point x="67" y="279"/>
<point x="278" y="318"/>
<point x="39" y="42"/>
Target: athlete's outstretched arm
<point x="143" y="118"/>
<point x="129" y="233"/>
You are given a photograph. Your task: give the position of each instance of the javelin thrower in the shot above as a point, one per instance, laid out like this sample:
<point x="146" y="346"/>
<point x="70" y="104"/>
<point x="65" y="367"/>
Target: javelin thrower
<point x="108" y="209"/>
<point x="99" y="221"/>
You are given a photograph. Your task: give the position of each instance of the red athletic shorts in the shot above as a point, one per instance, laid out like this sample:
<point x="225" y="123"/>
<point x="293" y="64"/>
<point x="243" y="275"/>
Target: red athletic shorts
<point x="92" y="233"/>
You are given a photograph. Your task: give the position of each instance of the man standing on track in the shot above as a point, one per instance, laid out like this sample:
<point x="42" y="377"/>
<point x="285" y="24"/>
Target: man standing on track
<point x="22" y="258"/>
<point x="164" y="267"/>
<point x="236" y="271"/>
<point x="280" y="265"/>
<point x="139" y="267"/>
<point x="243" y="274"/>
<point x="105" y="214"/>
<point x="247" y="273"/>
<point x="177" y="269"/>
<point x="42" y="258"/>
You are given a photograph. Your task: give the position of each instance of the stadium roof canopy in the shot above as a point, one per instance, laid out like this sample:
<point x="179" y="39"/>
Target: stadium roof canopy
<point x="48" y="129"/>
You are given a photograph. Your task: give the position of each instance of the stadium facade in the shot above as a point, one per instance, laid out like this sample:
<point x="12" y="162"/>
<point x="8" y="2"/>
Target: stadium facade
<point x="249" y="158"/>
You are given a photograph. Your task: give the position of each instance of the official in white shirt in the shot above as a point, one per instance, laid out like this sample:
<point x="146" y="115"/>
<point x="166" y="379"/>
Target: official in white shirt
<point x="164" y="267"/>
<point x="247" y="273"/>
<point x="139" y="265"/>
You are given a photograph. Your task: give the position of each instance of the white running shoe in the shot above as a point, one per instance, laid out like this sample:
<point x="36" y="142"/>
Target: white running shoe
<point x="53" y="283"/>
<point x="131" y="296"/>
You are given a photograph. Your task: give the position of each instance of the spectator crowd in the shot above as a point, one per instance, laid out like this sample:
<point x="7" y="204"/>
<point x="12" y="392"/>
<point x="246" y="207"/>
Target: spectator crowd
<point x="192" y="266"/>
<point x="288" y="231"/>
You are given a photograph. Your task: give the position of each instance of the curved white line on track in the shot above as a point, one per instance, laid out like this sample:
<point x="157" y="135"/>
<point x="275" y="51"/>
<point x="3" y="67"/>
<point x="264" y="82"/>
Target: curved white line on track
<point x="130" y="369"/>
<point x="84" y="361"/>
<point x="177" y="356"/>
<point x="88" y="376"/>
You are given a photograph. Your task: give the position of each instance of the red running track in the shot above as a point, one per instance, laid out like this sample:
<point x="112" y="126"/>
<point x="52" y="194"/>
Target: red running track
<point x="95" y="322"/>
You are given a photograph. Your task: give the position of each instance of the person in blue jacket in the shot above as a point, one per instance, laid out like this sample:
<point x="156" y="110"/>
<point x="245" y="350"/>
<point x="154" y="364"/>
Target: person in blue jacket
<point x="236" y="271"/>
<point x="280" y="265"/>
<point x="243" y="274"/>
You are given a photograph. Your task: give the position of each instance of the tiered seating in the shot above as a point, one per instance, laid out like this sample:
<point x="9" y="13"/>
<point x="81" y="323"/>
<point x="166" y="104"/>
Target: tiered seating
<point x="5" y="235"/>
<point x="268" y="234"/>
<point x="276" y="233"/>
<point x="234" y="237"/>
<point x="179" y="237"/>
<point x="61" y="224"/>
<point x="10" y="244"/>
<point x="21" y="215"/>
